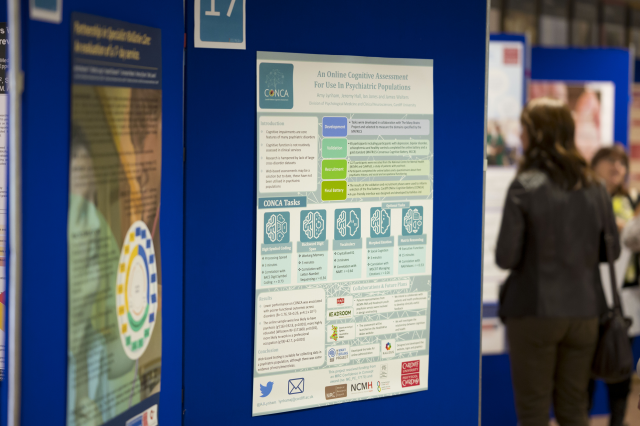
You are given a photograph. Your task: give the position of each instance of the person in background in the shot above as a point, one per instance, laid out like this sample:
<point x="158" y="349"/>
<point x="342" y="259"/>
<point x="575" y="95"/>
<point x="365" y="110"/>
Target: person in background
<point x="551" y="238"/>
<point x="611" y="165"/>
<point x="496" y="147"/>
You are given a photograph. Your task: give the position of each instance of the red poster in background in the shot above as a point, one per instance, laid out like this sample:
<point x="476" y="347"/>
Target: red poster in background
<point x="511" y="56"/>
<point x="634" y="139"/>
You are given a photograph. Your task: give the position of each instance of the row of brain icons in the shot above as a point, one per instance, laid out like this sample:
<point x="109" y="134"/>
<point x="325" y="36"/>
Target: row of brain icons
<point x="347" y="222"/>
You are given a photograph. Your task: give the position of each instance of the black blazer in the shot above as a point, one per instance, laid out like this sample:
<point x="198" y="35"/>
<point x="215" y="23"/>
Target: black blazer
<point x="552" y="240"/>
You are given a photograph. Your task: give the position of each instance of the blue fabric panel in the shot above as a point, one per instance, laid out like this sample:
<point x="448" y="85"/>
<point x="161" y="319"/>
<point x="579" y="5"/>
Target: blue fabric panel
<point x="219" y="259"/>
<point x="590" y="65"/>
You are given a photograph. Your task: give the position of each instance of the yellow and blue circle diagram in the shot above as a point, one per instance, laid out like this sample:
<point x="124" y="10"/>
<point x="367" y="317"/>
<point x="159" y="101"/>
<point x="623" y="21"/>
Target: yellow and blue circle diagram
<point x="137" y="290"/>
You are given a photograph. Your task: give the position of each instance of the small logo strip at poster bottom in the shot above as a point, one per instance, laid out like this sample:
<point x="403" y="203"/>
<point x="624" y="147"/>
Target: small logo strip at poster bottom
<point x="337" y="391"/>
<point x="410" y="374"/>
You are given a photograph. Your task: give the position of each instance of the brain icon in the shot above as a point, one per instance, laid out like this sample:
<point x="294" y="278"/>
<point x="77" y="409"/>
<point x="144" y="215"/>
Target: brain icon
<point x="342" y="223"/>
<point x="313" y="225"/>
<point x="380" y="221"/>
<point x="354" y="223"/>
<point x="348" y="225"/>
<point x="276" y="228"/>
<point x="412" y="221"/>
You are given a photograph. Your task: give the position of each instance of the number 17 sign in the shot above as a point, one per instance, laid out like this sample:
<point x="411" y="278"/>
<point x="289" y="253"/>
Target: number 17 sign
<point x="220" y="24"/>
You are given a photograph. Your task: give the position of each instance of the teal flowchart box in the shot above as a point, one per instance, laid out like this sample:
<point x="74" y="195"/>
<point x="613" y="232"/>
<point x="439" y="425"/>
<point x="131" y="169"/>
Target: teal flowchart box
<point x="276" y="264"/>
<point x="347" y="224"/>
<point x="347" y="264"/>
<point x="276" y="227"/>
<point x="412" y="254"/>
<point x="313" y="225"/>
<point x="380" y="257"/>
<point x="312" y="261"/>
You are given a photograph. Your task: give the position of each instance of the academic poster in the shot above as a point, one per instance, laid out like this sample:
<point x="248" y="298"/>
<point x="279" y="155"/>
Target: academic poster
<point x="634" y="138"/>
<point x="115" y="316"/>
<point x="592" y="107"/>
<point x="344" y="229"/>
<point x="506" y="89"/>
<point x="4" y="125"/>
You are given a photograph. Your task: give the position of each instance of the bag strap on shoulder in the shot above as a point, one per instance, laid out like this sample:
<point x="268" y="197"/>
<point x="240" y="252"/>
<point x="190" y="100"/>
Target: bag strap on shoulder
<point x="608" y="241"/>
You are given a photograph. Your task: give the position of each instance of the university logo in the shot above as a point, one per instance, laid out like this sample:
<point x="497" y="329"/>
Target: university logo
<point x="276" y="86"/>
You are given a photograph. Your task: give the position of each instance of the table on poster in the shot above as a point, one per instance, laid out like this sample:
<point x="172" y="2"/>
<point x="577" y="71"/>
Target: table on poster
<point x="344" y="229"/>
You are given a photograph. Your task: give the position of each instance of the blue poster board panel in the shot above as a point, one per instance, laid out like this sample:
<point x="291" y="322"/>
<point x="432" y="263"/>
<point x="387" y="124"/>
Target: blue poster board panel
<point x="3" y="384"/>
<point x="590" y="65"/>
<point x="220" y="201"/>
<point x="46" y="126"/>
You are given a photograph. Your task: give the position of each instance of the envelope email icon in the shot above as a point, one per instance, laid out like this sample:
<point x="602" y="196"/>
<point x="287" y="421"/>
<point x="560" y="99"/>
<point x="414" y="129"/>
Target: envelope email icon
<point x="296" y="386"/>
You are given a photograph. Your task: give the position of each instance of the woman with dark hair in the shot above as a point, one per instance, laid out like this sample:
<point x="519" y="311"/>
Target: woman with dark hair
<point x="551" y="239"/>
<point x="611" y="165"/>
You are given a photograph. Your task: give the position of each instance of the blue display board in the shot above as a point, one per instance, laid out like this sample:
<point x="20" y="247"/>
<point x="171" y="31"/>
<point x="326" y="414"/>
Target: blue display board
<point x="590" y="65"/>
<point x="220" y="195"/>
<point x="45" y="140"/>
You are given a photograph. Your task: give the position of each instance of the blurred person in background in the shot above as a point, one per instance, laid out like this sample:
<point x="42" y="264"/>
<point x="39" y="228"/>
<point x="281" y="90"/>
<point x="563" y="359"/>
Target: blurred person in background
<point x="497" y="154"/>
<point x="551" y="238"/>
<point x="611" y="165"/>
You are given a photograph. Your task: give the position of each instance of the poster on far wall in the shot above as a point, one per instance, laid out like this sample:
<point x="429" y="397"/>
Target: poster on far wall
<point x="634" y="139"/>
<point x="592" y="106"/>
<point x="506" y="88"/>
<point x="113" y="234"/>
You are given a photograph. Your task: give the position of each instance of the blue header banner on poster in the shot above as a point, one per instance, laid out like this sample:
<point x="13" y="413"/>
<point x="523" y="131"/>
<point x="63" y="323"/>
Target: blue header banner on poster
<point x="107" y="52"/>
<point x="590" y="65"/>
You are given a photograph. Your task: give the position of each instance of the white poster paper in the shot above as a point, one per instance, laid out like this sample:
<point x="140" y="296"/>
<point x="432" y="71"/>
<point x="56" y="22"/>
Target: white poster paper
<point x="505" y="100"/>
<point x="344" y="229"/>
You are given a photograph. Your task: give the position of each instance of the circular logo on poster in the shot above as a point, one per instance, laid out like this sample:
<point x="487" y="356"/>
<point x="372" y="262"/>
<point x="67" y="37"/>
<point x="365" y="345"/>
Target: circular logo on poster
<point x="272" y="93"/>
<point x="332" y="353"/>
<point x="137" y="290"/>
<point x="388" y="346"/>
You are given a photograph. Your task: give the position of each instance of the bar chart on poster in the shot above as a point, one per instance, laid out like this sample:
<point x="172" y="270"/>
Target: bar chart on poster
<point x="344" y="229"/>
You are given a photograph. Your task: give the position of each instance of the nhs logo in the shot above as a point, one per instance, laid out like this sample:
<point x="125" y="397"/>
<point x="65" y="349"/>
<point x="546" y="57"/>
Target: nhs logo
<point x="276" y="86"/>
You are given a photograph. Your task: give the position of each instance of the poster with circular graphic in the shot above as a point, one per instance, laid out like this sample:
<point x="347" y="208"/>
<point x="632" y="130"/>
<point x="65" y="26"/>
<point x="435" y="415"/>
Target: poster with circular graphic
<point x="137" y="290"/>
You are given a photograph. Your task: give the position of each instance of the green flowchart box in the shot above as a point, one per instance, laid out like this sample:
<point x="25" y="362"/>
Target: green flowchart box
<point x="333" y="190"/>
<point x="334" y="169"/>
<point x="334" y="148"/>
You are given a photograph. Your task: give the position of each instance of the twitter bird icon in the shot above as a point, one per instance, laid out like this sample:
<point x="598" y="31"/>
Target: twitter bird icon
<point x="266" y="390"/>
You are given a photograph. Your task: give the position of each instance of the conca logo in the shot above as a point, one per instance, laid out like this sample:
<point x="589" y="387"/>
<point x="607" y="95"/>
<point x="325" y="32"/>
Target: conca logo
<point x="274" y="79"/>
<point x="276" y="85"/>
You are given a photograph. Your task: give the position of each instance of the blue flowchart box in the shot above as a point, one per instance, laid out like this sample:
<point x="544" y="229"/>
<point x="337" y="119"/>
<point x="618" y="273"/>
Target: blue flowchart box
<point x="334" y="127"/>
